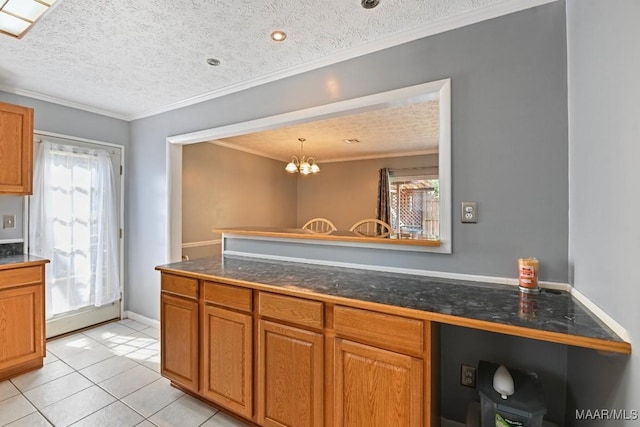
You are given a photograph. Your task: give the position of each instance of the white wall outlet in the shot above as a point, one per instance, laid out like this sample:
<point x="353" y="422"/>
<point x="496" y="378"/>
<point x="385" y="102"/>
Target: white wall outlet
<point x="469" y="212"/>
<point x="8" y="221"/>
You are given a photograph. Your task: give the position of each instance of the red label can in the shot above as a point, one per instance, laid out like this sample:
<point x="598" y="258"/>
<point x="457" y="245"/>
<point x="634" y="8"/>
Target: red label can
<point x="528" y="273"/>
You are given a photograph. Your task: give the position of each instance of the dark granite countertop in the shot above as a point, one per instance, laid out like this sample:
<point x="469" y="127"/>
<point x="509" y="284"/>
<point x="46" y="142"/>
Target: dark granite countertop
<point x="20" y="260"/>
<point x="447" y="300"/>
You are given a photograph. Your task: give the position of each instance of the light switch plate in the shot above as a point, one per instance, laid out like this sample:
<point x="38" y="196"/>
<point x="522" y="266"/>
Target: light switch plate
<point x="469" y="212"/>
<point x="8" y="221"/>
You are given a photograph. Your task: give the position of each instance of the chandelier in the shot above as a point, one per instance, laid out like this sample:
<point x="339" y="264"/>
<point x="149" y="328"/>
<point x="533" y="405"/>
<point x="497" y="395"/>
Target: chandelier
<point x="304" y="165"/>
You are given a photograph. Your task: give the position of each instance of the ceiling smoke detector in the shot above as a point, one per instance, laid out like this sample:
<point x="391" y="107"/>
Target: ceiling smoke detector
<point x="369" y="4"/>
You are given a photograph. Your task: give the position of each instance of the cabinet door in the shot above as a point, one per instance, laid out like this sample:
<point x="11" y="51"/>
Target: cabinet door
<point x="375" y="387"/>
<point x="21" y="325"/>
<point x="179" y="340"/>
<point x="290" y="376"/>
<point x="16" y="149"/>
<point x="227" y="359"/>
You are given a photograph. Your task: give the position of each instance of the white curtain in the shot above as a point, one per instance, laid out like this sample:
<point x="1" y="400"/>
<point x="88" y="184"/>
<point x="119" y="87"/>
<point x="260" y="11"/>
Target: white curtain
<point x="73" y="222"/>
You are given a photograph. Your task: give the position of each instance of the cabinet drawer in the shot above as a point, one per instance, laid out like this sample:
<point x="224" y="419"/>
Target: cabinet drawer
<point x="295" y="310"/>
<point x="179" y="285"/>
<point x="384" y="330"/>
<point x="228" y="296"/>
<point x="20" y="276"/>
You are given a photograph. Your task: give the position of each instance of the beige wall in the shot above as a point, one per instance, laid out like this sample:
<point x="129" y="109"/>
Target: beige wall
<point x="222" y="187"/>
<point x="228" y="188"/>
<point x="346" y="192"/>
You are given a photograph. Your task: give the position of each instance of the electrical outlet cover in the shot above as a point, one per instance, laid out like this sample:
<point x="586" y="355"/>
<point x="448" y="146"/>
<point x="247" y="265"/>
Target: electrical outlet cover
<point x="469" y="213"/>
<point x="468" y="376"/>
<point x="8" y="221"/>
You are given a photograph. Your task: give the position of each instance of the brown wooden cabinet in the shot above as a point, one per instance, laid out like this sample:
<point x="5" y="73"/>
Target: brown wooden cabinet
<point x="16" y="149"/>
<point x="376" y="387"/>
<point x="290" y="372"/>
<point x="22" y="342"/>
<point x="227" y="346"/>
<point x="281" y="360"/>
<point x="379" y="376"/>
<point x="179" y="333"/>
<point x="290" y="376"/>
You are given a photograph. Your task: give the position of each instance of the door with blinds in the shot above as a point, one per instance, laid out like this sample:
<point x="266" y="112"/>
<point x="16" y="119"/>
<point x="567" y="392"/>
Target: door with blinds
<point x="75" y="217"/>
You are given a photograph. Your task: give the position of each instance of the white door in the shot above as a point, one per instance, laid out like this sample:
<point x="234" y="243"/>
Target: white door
<point x="75" y="221"/>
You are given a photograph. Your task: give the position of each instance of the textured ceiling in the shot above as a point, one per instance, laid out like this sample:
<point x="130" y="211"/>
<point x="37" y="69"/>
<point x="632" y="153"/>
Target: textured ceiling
<point x="131" y="58"/>
<point x="392" y="131"/>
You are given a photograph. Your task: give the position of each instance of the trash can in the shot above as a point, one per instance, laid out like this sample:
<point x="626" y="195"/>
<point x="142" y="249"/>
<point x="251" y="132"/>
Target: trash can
<point x="524" y="408"/>
<point x="473" y="416"/>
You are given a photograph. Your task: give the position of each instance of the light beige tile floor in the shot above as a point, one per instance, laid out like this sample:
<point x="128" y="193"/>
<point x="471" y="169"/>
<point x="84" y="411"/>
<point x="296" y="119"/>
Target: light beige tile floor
<point x="105" y="376"/>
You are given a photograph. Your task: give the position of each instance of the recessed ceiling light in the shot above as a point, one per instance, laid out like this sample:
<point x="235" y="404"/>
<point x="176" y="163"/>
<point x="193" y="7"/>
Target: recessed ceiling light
<point x="213" y="62"/>
<point x="369" y="4"/>
<point x="278" y="36"/>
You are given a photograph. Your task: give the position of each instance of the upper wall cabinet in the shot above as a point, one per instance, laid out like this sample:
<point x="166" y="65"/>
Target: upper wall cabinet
<point x="16" y="149"/>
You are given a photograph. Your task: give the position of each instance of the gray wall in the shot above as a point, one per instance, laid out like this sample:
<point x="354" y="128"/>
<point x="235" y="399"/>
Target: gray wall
<point x="604" y="148"/>
<point x="70" y="122"/>
<point x="509" y="150"/>
<point x="12" y="205"/>
<point x="464" y="345"/>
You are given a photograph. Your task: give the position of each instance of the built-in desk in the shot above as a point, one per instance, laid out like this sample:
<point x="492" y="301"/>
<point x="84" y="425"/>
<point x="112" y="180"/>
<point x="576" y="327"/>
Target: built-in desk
<point x="558" y="317"/>
<point x="278" y="342"/>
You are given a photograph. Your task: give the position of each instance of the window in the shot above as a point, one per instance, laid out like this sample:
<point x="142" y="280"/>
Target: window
<point x="415" y="205"/>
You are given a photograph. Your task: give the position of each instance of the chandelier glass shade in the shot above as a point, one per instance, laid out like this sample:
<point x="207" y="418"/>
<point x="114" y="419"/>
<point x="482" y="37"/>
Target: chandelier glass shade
<point x="304" y="165"/>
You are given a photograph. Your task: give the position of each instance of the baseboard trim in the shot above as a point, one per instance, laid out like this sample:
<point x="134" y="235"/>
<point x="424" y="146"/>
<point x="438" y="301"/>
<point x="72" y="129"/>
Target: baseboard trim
<point x="142" y="319"/>
<point x="602" y="315"/>
<point x="400" y="270"/>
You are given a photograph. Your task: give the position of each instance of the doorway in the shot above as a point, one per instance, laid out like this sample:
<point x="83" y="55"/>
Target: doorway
<point x="75" y="217"/>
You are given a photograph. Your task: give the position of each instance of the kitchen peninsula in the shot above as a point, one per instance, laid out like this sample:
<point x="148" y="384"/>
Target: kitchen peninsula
<point x="278" y="342"/>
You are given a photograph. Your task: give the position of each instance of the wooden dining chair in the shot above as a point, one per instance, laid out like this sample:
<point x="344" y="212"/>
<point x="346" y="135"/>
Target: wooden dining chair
<point x="319" y="226"/>
<point x="371" y="228"/>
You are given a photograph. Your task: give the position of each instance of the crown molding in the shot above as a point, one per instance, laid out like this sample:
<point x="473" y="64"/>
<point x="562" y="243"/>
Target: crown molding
<point x="447" y="24"/>
<point x="380" y="156"/>
<point x="63" y="102"/>
<point x="493" y="11"/>
<point x="237" y="147"/>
